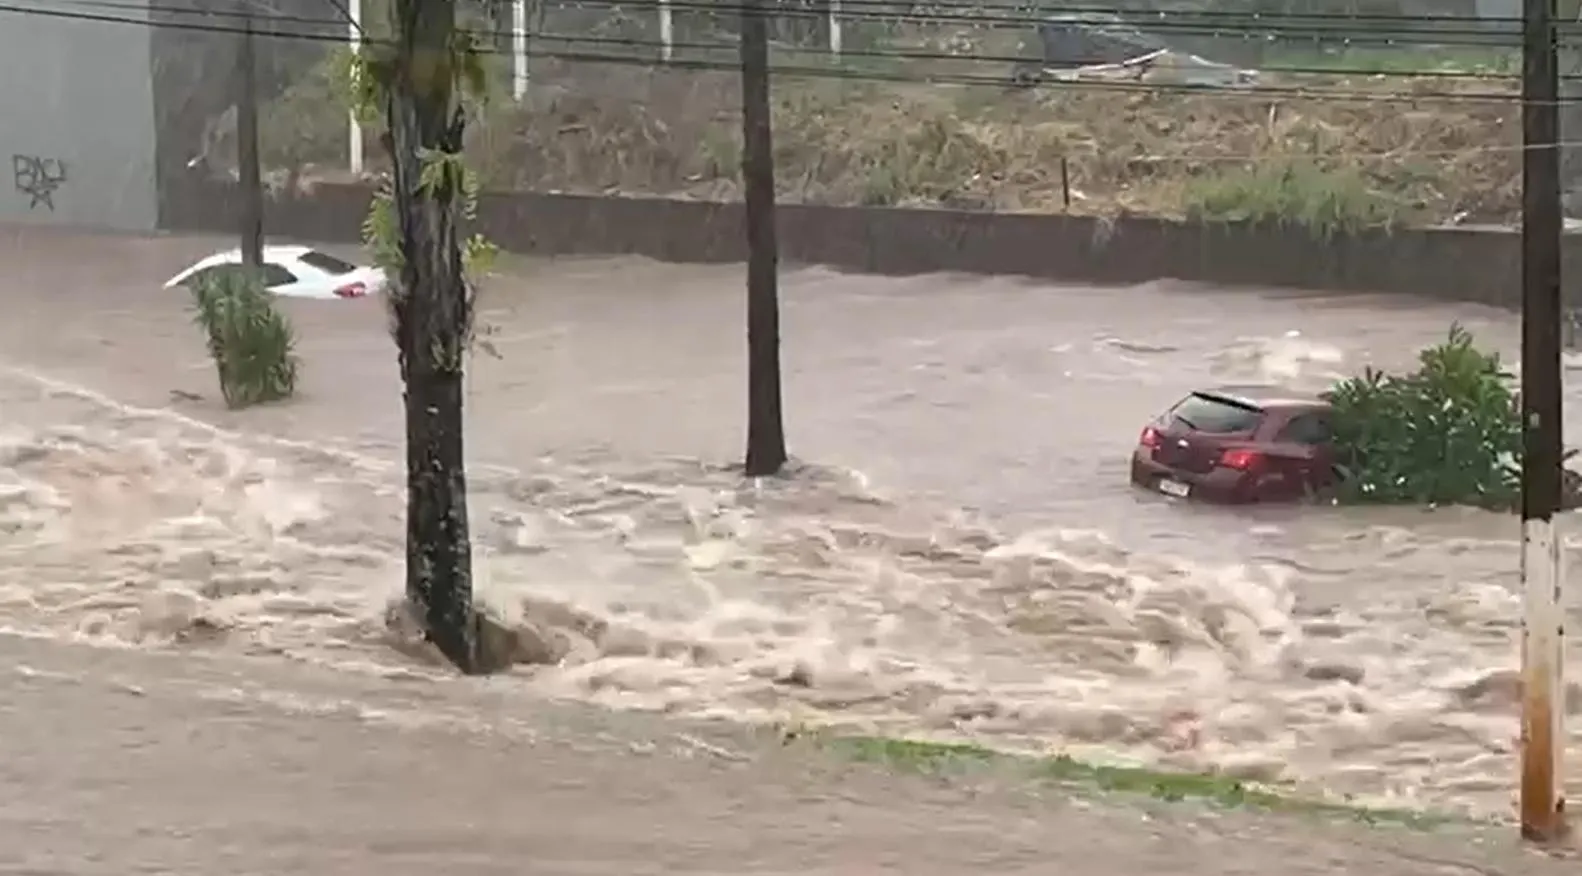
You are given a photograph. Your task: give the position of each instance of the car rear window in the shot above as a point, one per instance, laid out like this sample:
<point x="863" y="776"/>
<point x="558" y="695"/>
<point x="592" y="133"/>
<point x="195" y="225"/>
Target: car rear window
<point x="327" y="263"/>
<point x="1215" y="416"/>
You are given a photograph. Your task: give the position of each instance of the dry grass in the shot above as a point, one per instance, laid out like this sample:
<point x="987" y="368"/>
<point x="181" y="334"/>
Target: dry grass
<point x="1337" y="162"/>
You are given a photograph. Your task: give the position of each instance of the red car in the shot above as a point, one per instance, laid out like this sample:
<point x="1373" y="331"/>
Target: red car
<point x="1238" y="446"/>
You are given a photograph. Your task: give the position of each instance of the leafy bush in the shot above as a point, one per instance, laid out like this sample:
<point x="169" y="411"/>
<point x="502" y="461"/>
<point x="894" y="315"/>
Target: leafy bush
<point x="307" y="123"/>
<point x="1448" y="433"/>
<point x="1325" y="201"/>
<point x="250" y="340"/>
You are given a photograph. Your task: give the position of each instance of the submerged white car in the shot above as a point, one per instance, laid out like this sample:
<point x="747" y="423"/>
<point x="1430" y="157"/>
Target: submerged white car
<point x="293" y="271"/>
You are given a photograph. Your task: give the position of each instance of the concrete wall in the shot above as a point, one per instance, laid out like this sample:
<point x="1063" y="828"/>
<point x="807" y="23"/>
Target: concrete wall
<point x="76" y="102"/>
<point x="1481" y="265"/>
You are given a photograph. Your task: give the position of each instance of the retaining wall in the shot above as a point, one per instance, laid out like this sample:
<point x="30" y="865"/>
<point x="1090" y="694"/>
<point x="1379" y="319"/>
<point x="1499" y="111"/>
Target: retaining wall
<point x="1481" y="265"/>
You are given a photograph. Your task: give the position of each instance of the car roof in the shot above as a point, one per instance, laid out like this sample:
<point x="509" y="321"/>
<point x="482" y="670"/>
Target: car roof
<point x="278" y="253"/>
<point x="1264" y="397"/>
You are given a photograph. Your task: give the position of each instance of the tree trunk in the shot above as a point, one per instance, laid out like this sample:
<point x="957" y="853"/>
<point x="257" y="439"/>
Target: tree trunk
<point x="766" y="439"/>
<point x="432" y="314"/>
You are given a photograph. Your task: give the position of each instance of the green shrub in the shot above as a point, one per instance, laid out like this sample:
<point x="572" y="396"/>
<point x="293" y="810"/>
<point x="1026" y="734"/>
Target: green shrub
<point x="250" y="340"/>
<point x="1448" y="433"/>
<point x="307" y="123"/>
<point x="1325" y="201"/>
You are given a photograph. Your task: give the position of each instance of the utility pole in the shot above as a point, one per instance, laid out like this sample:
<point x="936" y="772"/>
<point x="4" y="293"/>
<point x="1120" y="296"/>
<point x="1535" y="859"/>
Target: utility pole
<point x="1543" y="637"/>
<point x="835" y="41"/>
<point x="519" y="31"/>
<point x="766" y="439"/>
<point x="248" y="173"/>
<point x="432" y="309"/>
<point x="667" y="32"/>
<point x="354" y="129"/>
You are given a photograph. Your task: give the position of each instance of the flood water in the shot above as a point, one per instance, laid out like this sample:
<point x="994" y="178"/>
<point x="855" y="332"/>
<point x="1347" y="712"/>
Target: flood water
<point x="959" y="556"/>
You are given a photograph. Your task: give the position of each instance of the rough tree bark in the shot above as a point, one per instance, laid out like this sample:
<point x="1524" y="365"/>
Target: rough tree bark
<point x="432" y="315"/>
<point x="766" y="439"/>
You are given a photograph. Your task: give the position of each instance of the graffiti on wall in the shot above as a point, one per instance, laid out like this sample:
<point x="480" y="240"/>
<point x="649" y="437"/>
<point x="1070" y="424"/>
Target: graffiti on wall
<point x="38" y="178"/>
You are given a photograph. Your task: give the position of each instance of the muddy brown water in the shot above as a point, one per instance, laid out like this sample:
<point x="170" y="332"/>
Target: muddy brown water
<point x="961" y="558"/>
<point x="195" y="762"/>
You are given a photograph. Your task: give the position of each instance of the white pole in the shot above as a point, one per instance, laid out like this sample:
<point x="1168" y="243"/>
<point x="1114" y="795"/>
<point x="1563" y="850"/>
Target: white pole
<point x="355" y="143"/>
<point x="519" y="49"/>
<point x="1543" y="679"/>
<point x="667" y="31"/>
<point x="834" y="28"/>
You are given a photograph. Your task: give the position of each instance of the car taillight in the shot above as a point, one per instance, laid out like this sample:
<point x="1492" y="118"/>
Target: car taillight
<point x="1240" y="459"/>
<point x="1149" y="438"/>
<point x="351" y="290"/>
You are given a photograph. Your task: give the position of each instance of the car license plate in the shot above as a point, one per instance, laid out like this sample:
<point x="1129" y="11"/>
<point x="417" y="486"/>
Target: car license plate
<point x="1174" y="488"/>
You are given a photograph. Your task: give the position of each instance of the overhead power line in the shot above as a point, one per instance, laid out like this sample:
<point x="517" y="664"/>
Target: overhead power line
<point x="967" y="9"/>
<point x="208" y="25"/>
<point x="1412" y="30"/>
<point x="1442" y="39"/>
<point x="901" y="54"/>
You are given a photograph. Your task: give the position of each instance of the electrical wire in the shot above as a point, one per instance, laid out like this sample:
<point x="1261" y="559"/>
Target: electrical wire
<point x="1029" y="12"/>
<point x="902" y="54"/>
<point x="816" y="72"/>
<point x="897" y="55"/>
<point x="1176" y="157"/>
<point x="344" y="25"/>
<point x="1429" y="33"/>
<point x="1353" y="40"/>
<point x="1344" y="157"/>
<point x="1016" y="60"/>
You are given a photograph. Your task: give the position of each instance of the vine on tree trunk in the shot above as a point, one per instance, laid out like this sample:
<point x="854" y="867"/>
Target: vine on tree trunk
<point x="370" y="72"/>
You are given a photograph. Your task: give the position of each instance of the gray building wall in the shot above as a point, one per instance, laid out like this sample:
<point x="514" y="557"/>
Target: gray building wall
<point x="77" y="116"/>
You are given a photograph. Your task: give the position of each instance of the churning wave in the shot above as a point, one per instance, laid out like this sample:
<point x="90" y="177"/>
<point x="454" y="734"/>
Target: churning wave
<point x="675" y="585"/>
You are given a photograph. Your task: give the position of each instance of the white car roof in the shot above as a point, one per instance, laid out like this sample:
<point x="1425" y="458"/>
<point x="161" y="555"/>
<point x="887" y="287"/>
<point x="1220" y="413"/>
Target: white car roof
<point x="234" y="256"/>
<point x="280" y="254"/>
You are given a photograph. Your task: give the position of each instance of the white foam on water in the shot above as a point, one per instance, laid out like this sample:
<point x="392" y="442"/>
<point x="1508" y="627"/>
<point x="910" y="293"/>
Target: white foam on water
<point x="675" y="586"/>
<point x="1291" y="359"/>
